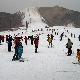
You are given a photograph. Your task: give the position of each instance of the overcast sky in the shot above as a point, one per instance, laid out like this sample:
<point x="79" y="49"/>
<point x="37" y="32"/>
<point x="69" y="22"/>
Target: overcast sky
<point x="15" y="5"/>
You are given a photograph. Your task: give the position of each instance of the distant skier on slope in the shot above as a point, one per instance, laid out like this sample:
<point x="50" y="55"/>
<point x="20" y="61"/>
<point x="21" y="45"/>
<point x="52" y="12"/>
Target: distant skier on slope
<point x="69" y="46"/>
<point x="25" y="40"/>
<point x="78" y="55"/>
<point x="6" y="38"/>
<point x="0" y="39"/>
<point x="61" y="36"/>
<point x="79" y="37"/>
<point x="36" y="42"/>
<point x="9" y="41"/>
<point x="32" y="39"/>
<point x="26" y="24"/>
<point x="52" y="36"/>
<point x="71" y="34"/>
<point x="49" y="41"/>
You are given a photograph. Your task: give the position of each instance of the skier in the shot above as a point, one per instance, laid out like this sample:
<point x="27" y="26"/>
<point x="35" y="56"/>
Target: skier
<point x="49" y="41"/>
<point x="67" y="31"/>
<point x="0" y="39"/>
<point x="74" y="35"/>
<point x="6" y="38"/>
<point x="25" y="40"/>
<point x="16" y="42"/>
<point x="38" y="29"/>
<point x="52" y="36"/>
<point x="20" y="50"/>
<point x="36" y="42"/>
<point x="9" y="41"/>
<point x="41" y="29"/>
<point x="79" y="37"/>
<point x="69" y="46"/>
<point x="55" y="33"/>
<point x="32" y="39"/>
<point x="71" y="34"/>
<point x="47" y="30"/>
<point x="78" y="55"/>
<point x="61" y="36"/>
<point x="26" y="24"/>
<point x="52" y="30"/>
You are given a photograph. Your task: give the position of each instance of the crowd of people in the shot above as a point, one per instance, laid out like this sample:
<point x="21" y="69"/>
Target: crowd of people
<point x="35" y="41"/>
<point x="18" y="44"/>
<point x="69" y="44"/>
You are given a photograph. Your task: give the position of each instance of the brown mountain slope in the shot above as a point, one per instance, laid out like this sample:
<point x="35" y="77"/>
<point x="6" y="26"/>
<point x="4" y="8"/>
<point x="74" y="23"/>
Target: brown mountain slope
<point x="55" y="16"/>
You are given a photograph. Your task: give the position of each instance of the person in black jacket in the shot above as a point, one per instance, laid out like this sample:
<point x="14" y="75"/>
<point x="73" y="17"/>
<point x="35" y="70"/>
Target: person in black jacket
<point x="79" y="37"/>
<point x="69" y="46"/>
<point x="32" y="39"/>
<point x="61" y="36"/>
<point x="26" y="40"/>
<point x="36" y="42"/>
<point x="9" y="41"/>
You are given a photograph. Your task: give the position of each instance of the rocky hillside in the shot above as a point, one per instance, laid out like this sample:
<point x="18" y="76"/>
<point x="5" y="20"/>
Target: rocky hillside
<point x="55" y="16"/>
<point x="8" y="21"/>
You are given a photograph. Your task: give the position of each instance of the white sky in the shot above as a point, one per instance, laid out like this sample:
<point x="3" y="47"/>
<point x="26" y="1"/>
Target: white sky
<point x="14" y="5"/>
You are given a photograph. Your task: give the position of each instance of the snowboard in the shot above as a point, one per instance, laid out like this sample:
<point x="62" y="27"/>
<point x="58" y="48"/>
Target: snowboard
<point x="22" y="59"/>
<point x="51" y="47"/>
<point x="76" y="63"/>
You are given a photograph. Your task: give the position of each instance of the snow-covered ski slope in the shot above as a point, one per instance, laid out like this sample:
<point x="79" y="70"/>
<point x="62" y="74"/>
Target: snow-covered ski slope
<point x="49" y="63"/>
<point x="33" y="17"/>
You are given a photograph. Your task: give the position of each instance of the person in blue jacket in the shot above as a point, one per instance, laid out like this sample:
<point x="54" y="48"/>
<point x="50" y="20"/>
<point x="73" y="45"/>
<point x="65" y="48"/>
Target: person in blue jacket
<point x="20" y="50"/>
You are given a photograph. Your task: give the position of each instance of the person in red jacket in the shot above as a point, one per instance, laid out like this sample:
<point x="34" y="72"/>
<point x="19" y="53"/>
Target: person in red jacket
<point x="36" y="42"/>
<point x="16" y="42"/>
<point x="2" y="38"/>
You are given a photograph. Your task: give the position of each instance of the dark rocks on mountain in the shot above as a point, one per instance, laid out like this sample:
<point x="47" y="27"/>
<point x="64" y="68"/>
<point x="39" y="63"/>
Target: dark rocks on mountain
<point x="8" y="21"/>
<point x="59" y="16"/>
